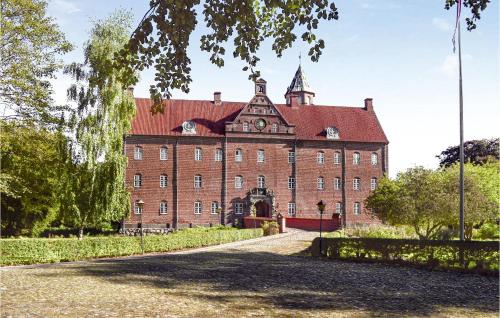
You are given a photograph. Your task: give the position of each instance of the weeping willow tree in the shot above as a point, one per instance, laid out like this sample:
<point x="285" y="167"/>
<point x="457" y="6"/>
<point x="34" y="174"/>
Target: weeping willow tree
<point x="96" y="191"/>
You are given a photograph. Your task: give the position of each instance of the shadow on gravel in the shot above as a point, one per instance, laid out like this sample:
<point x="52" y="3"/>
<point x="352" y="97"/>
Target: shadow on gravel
<point x="292" y="282"/>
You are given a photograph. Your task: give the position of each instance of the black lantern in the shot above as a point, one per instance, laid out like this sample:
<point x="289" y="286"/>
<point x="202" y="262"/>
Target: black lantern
<point x="321" y="207"/>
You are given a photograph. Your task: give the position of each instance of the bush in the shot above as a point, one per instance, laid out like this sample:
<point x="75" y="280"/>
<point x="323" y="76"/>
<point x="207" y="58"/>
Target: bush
<point x="270" y="228"/>
<point x="477" y="256"/>
<point x="488" y="231"/>
<point x="376" y="231"/>
<point x="41" y="250"/>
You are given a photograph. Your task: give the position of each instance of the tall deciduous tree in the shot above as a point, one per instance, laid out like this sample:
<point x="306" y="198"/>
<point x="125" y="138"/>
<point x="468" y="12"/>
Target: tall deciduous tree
<point x="30" y="46"/>
<point x="30" y="180"/>
<point x="475" y="151"/>
<point x="104" y="113"/>
<point x="416" y="198"/>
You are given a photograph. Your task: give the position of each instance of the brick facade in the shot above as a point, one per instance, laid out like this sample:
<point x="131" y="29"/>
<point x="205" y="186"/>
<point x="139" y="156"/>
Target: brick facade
<point x="229" y="135"/>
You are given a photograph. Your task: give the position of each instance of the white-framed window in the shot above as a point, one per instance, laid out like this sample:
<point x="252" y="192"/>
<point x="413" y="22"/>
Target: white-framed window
<point x="291" y="208"/>
<point x="246" y="126"/>
<point x="337" y="183"/>
<point x="197" y="207"/>
<point x="138" y="153"/>
<point x="163" y="153"/>
<point x="356" y="158"/>
<point x="218" y="154"/>
<point x="137" y="207"/>
<point x="137" y="181"/>
<point x="261" y="182"/>
<point x="238" y="208"/>
<point x="197" y="154"/>
<point x="163" y="181"/>
<point x="274" y="128"/>
<point x="291" y="183"/>
<point x="336" y="158"/>
<point x="356" y="184"/>
<point x="320" y="183"/>
<point x="197" y="181"/>
<point x="291" y="157"/>
<point x="374" y="159"/>
<point x="261" y="156"/>
<point x="373" y="184"/>
<point x="213" y="207"/>
<point x="320" y="157"/>
<point x="357" y="208"/>
<point x="238" y="182"/>
<point x="338" y="207"/>
<point x="163" y="207"/>
<point x="238" y="155"/>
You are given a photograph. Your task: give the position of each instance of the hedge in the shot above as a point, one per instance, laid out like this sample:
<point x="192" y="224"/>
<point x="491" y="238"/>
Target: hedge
<point x="43" y="250"/>
<point x="473" y="256"/>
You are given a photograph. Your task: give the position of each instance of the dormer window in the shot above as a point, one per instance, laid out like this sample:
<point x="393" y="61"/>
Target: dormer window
<point x="332" y="133"/>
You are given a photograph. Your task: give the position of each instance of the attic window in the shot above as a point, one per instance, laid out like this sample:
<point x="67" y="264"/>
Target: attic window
<point x="332" y="133"/>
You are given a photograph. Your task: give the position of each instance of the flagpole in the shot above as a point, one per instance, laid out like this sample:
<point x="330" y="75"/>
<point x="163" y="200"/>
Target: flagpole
<point x="461" y="102"/>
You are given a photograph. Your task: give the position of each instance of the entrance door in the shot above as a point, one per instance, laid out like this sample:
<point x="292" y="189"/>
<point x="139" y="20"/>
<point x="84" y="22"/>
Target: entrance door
<point x="262" y="209"/>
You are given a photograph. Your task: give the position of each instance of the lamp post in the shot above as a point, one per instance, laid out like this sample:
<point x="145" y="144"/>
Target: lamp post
<point x="140" y="203"/>
<point x="321" y="207"/>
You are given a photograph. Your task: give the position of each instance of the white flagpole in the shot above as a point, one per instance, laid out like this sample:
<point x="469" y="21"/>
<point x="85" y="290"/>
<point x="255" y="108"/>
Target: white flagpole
<point x="461" y="102"/>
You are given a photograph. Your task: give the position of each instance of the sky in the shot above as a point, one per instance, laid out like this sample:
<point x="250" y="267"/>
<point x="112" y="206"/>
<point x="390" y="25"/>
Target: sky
<point x="397" y="52"/>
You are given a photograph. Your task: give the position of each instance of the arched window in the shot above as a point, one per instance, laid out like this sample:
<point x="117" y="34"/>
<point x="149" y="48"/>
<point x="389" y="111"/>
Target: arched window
<point x="137" y="180"/>
<point x="197" y="181"/>
<point x="197" y="207"/>
<point x="137" y="207"/>
<point x="374" y="159"/>
<point x="261" y="182"/>
<point x="163" y="153"/>
<point x="356" y="184"/>
<point x="320" y="157"/>
<point x="338" y="207"/>
<point x="163" y="207"/>
<point x="356" y="158"/>
<point x="197" y="154"/>
<point x="138" y="153"/>
<point x="163" y="181"/>
<point x="274" y="128"/>
<point x="246" y="127"/>
<point x="336" y="183"/>
<point x="238" y="155"/>
<point x="373" y="184"/>
<point x="238" y="182"/>
<point x="336" y="158"/>
<point x="218" y="154"/>
<point x="357" y="208"/>
<point x="260" y="155"/>
<point x="320" y="183"/>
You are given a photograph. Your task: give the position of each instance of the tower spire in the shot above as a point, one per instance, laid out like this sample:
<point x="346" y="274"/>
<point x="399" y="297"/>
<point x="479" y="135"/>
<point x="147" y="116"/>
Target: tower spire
<point x="299" y="89"/>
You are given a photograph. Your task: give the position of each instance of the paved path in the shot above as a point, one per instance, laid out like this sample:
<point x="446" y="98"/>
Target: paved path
<point x="256" y="278"/>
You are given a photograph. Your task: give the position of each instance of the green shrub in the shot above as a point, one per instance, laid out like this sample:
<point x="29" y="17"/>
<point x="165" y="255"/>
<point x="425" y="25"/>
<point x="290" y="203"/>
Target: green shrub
<point x="488" y="231"/>
<point x="375" y="231"/>
<point x="41" y="250"/>
<point x="270" y="228"/>
<point x="477" y="256"/>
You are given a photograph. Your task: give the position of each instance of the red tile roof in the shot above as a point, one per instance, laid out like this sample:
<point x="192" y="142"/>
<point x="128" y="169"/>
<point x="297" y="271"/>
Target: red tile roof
<point x="353" y="123"/>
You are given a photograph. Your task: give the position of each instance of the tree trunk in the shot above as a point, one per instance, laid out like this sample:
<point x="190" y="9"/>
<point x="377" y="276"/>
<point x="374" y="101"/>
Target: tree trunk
<point x="80" y="233"/>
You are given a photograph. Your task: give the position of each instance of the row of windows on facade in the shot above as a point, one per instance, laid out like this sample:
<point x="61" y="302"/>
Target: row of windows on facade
<point x="238" y="156"/>
<point x="238" y="208"/>
<point x="261" y="182"/>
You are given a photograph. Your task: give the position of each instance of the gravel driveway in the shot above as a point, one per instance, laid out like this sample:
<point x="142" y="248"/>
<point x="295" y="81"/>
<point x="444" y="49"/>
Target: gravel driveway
<point x="265" y="277"/>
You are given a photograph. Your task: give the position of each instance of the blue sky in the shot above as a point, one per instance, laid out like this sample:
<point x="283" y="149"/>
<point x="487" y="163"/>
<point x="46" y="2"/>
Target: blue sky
<point x="397" y="52"/>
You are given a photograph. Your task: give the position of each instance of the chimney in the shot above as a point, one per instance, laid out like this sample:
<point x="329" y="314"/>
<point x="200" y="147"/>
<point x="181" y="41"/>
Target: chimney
<point x="130" y="90"/>
<point x="369" y="104"/>
<point x="217" y="100"/>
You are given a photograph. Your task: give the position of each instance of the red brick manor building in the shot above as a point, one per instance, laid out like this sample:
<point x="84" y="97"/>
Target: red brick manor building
<point x="210" y="162"/>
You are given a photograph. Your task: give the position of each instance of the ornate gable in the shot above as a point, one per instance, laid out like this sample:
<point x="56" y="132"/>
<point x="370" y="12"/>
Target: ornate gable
<point x="260" y="117"/>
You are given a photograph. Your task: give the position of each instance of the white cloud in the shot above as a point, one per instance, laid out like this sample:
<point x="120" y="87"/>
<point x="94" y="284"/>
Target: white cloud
<point x="450" y="65"/>
<point x="441" y="24"/>
<point x="64" y="6"/>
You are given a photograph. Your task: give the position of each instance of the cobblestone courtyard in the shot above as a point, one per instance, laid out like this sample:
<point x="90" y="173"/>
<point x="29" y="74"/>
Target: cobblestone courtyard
<point x="258" y="278"/>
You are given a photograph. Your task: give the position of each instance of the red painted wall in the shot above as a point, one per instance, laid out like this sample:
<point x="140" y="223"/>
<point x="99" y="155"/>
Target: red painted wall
<point x="308" y="224"/>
